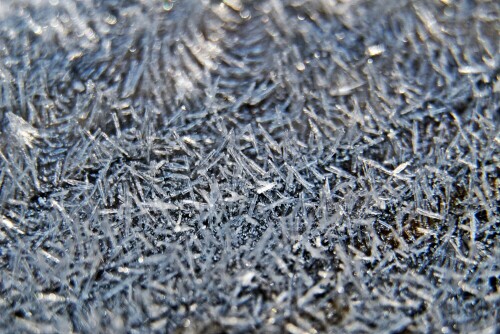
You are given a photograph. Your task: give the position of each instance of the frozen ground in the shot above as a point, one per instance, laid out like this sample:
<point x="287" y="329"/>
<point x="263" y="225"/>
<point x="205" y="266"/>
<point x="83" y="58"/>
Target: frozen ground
<point x="301" y="166"/>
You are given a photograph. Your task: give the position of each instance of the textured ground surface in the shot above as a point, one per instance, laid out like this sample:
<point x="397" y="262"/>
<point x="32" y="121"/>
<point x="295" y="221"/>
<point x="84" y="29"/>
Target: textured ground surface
<point x="264" y="166"/>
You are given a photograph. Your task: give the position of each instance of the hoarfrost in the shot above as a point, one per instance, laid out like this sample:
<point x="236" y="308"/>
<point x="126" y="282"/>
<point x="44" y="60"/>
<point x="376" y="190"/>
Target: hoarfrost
<point x="241" y="166"/>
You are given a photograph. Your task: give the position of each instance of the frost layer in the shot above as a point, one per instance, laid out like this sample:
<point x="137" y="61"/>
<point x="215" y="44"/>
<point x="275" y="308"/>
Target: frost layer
<point x="249" y="166"/>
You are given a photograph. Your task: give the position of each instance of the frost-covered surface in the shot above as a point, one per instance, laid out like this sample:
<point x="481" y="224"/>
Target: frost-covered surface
<point x="262" y="166"/>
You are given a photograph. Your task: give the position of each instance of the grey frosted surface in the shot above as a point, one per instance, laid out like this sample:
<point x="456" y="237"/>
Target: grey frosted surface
<point x="299" y="166"/>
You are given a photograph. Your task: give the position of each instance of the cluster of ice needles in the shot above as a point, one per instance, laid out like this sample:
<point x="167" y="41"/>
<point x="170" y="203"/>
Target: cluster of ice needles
<point x="298" y="166"/>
